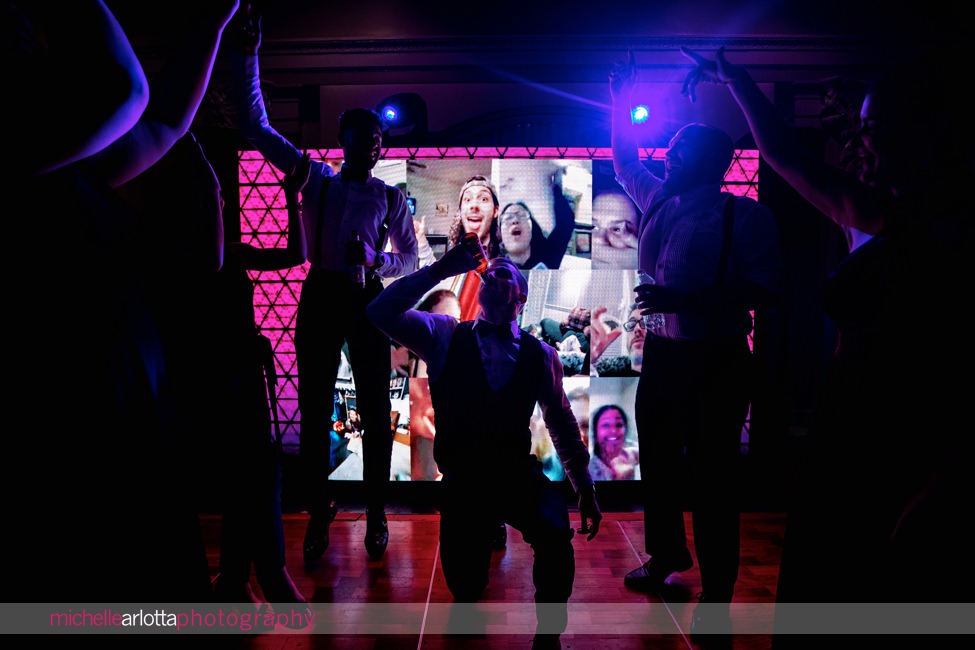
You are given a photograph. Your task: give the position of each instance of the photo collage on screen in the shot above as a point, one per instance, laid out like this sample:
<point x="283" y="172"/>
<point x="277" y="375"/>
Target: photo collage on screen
<point x="579" y="256"/>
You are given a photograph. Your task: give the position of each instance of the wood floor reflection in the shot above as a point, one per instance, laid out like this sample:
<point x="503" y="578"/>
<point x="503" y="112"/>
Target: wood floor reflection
<point x="604" y="614"/>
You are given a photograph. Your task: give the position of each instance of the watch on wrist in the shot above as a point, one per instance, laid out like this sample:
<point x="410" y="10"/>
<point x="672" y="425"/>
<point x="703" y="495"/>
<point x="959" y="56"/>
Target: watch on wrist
<point x="380" y="259"/>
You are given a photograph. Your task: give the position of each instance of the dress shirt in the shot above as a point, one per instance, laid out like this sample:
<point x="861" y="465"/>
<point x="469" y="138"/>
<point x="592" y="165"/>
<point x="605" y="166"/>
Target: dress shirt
<point x="351" y="205"/>
<point x="428" y="336"/>
<point x="681" y="245"/>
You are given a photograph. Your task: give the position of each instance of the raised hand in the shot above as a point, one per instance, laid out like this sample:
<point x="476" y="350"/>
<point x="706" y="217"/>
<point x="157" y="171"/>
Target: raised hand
<point x="599" y="335"/>
<point x="246" y="31"/>
<point x="454" y="262"/>
<point x="622" y="78"/>
<point x="296" y="180"/>
<point x="718" y="71"/>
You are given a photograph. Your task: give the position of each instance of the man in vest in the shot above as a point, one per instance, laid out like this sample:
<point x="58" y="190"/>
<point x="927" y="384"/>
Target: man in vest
<point x="486" y="376"/>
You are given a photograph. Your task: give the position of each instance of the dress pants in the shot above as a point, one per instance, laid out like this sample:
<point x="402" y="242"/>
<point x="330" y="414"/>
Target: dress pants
<point x="332" y="310"/>
<point x="692" y="401"/>
<point x="470" y="512"/>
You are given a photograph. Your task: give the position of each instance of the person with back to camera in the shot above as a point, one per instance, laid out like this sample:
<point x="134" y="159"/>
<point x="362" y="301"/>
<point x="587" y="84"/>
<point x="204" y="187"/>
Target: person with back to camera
<point x="334" y="210"/>
<point x="883" y="470"/>
<point x="486" y="376"/>
<point x="76" y="139"/>
<point x="229" y="423"/>
<point x="715" y="257"/>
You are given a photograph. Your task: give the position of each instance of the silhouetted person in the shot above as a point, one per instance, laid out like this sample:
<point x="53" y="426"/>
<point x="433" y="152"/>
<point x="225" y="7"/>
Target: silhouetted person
<point x="92" y="373"/>
<point x="333" y="209"/>
<point x="883" y="489"/>
<point x="486" y="377"/>
<point x="714" y="257"/>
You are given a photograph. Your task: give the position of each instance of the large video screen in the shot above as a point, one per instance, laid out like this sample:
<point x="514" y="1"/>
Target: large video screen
<point x="562" y="217"/>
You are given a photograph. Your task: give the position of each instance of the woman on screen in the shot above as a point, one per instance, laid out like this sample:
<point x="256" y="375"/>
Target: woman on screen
<point x="611" y="459"/>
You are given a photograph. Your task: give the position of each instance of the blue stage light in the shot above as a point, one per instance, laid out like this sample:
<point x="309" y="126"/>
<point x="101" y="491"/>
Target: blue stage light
<point x="640" y="114"/>
<point x="390" y="114"/>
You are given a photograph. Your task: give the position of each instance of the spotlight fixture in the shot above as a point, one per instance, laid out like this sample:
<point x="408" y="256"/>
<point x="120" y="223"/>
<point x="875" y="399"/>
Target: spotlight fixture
<point x="405" y="114"/>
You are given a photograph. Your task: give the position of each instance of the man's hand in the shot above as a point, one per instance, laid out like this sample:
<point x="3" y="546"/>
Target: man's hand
<point x="656" y="299"/>
<point x="600" y="336"/>
<point x="359" y="252"/>
<point x="454" y="262"/>
<point x="296" y="180"/>
<point x="589" y="512"/>
<point x="245" y="30"/>
<point x="622" y="78"/>
<point x="718" y="71"/>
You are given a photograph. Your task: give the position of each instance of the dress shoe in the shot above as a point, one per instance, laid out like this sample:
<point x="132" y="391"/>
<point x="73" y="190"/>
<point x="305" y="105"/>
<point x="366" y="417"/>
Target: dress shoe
<point x="500" y="537"/>
<point x="316" y="535"/>
<point x="546" y="642"/>
<point x="652" y="574"/>
<point x="377" y="534"/>
<point x="711" y="622"/>
<point x="316" y="540"/>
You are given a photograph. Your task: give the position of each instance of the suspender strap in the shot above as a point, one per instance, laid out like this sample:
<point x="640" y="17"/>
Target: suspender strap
<point x="320" y="223"/>
<point x="722" y="270"/>
<point x="729" y="226"/>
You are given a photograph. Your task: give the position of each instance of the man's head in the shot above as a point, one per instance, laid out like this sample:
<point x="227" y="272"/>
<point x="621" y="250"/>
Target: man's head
<point x="515" y="230"/>
<point x="503" y="292"/>
<point x="478" y="207"/>
<point x="699" y="154"/>
<point x="634" y="336"/>
<point x="361" y="138"/>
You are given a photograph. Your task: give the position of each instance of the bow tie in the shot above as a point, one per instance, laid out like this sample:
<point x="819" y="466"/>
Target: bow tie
<point x="350" y="175"/>
<point x="485" y="328"/>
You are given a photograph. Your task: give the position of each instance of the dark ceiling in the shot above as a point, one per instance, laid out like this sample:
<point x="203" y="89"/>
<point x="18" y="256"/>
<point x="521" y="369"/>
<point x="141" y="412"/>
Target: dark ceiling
<point x="494" y="73"/>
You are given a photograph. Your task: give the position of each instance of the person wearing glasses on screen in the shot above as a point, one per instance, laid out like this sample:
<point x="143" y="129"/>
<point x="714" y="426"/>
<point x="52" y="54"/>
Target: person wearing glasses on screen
<point x="614" y="229"/>
<point x="634" y="334"/>
<point x="486" y="378"/>
<point x="524" y="242"/>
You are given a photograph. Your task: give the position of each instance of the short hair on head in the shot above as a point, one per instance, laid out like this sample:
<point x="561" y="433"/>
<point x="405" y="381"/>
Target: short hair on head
<point x="519" y="276"/>
<point x="716" y="142"/>
<point x="359" y="118"/>
<point x="434" y="298"/>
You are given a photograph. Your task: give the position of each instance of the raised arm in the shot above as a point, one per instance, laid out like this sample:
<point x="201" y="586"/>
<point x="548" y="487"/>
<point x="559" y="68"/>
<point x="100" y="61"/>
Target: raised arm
<point x="248" y="98"/>
<point x="426" y="335"/>
<point x="838" y="195"/>
<point x="175" y="97"/>
<point x="58" y="116"/>
<point x="625" y="145"/>
<point x="296" y="251"/>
